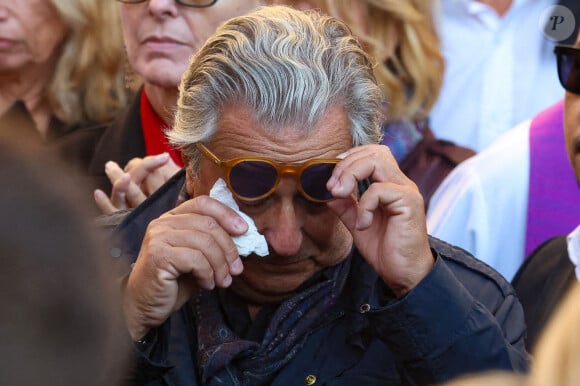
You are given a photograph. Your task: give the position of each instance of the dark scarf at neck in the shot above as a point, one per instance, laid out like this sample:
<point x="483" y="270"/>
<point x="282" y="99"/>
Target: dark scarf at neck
<point x="226" y="359"/>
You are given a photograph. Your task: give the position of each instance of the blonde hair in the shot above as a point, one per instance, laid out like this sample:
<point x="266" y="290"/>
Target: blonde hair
<point x="88" y="83"/>
<point x="402" y="38"/>
<point x="496" y="378"/>
<point x="557" y="354"/>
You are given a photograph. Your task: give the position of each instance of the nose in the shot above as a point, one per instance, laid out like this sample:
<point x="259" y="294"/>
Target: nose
<point x="163" y="8"/>
<point x="284" y="221"/>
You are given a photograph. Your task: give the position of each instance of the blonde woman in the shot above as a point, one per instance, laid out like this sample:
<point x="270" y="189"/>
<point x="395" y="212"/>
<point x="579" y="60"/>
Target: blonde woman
<point x="60" y="64"/>
<point x="557" y="355"/>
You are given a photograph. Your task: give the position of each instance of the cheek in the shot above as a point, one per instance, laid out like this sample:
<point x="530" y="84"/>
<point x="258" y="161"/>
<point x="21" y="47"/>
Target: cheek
<point x="195" y="31"/>
<point x="44" y="38"/>
<point x="330" y="236"/>
<point x="45" y="30"/>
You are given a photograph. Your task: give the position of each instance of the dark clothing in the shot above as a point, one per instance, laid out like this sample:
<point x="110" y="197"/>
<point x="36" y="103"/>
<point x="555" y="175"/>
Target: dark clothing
<point x="119" y="141"/>
<point x="540" y="284"/>
<point x="17" y="123"/>
<point x="463" y="317"/>
<point x="72" y="144"/>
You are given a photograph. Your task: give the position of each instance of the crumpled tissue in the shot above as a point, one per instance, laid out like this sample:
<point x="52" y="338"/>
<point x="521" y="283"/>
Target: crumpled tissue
<point x="251" y="241"/>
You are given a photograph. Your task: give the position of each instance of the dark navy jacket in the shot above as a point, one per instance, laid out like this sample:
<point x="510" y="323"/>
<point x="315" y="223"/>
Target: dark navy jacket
<point x="463" y="317"/>
<point x="120" y="140"/>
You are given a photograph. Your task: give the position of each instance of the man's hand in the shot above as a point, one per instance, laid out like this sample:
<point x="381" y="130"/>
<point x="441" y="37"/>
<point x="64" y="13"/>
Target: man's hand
<point x="388" y="220"/>
<point x="137" y="181"/>
<point x="187" y="248"/>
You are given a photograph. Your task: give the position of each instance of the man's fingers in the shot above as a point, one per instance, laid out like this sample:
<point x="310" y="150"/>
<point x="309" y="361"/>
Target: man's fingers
<point x="119" y="192"/>
<point x="103" y="202"/>
<point x="113" y="171"/>
<point x="209" y="268"/>
<point x="126" y="194"/>
<point x="374" y="162"/>
<point x="185" y="261"/>
<point x="141" y="168"/>
<point x="133" y="194"/>
<point x="225" y="216"/>
<point x="199" y="233"/>
<point x="159" y="176"/>
<point x="169" y="169"/>
<point x="193" y="244"/>
<point x="148" y="163"/>
<point x="146" y="174"/>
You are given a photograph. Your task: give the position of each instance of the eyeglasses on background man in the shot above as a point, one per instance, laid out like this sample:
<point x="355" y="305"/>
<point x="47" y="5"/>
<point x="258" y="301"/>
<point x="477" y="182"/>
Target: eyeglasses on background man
<point x="187" y="3"/>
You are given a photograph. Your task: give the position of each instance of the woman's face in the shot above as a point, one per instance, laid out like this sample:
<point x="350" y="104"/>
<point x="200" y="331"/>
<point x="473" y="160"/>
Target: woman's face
<point x="31" y="32"/>
<point x="161" y="35"/>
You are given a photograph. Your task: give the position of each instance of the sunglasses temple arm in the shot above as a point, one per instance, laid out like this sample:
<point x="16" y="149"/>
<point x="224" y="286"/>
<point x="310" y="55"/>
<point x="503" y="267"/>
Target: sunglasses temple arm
<point x="363" y="186"/>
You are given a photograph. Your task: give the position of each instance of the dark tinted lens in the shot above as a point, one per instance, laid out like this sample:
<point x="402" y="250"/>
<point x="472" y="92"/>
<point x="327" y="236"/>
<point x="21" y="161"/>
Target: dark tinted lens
<point x="252" y="179"/>
<point x="314" y="179"/>
<point x="569" y="70"/>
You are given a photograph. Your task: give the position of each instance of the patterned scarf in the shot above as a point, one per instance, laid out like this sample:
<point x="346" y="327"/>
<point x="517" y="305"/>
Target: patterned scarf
<point x="224" y="358"/>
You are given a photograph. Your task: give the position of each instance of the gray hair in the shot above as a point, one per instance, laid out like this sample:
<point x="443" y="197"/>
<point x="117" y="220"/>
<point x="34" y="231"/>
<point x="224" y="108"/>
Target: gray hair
<point x="288" y="67"/>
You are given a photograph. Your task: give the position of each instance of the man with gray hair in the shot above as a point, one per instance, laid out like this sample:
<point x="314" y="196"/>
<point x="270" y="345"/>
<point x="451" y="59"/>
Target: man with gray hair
<point x="279" y="113"/>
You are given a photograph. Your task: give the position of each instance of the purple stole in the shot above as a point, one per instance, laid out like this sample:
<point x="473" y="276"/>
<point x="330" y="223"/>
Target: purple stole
<point x="554" y="194"/>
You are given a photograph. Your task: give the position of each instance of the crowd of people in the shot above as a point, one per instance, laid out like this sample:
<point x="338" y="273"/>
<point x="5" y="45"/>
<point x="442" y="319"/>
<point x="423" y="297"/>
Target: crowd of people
<point x="270" y="192"/>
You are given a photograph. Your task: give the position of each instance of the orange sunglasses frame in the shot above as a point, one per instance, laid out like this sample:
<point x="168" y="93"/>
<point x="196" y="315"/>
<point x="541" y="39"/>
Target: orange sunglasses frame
<point x="281" y="169"/>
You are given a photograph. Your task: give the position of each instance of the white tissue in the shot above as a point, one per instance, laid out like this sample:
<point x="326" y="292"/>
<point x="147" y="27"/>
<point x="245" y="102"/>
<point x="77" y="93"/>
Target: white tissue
<point x="251" y="241"/>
